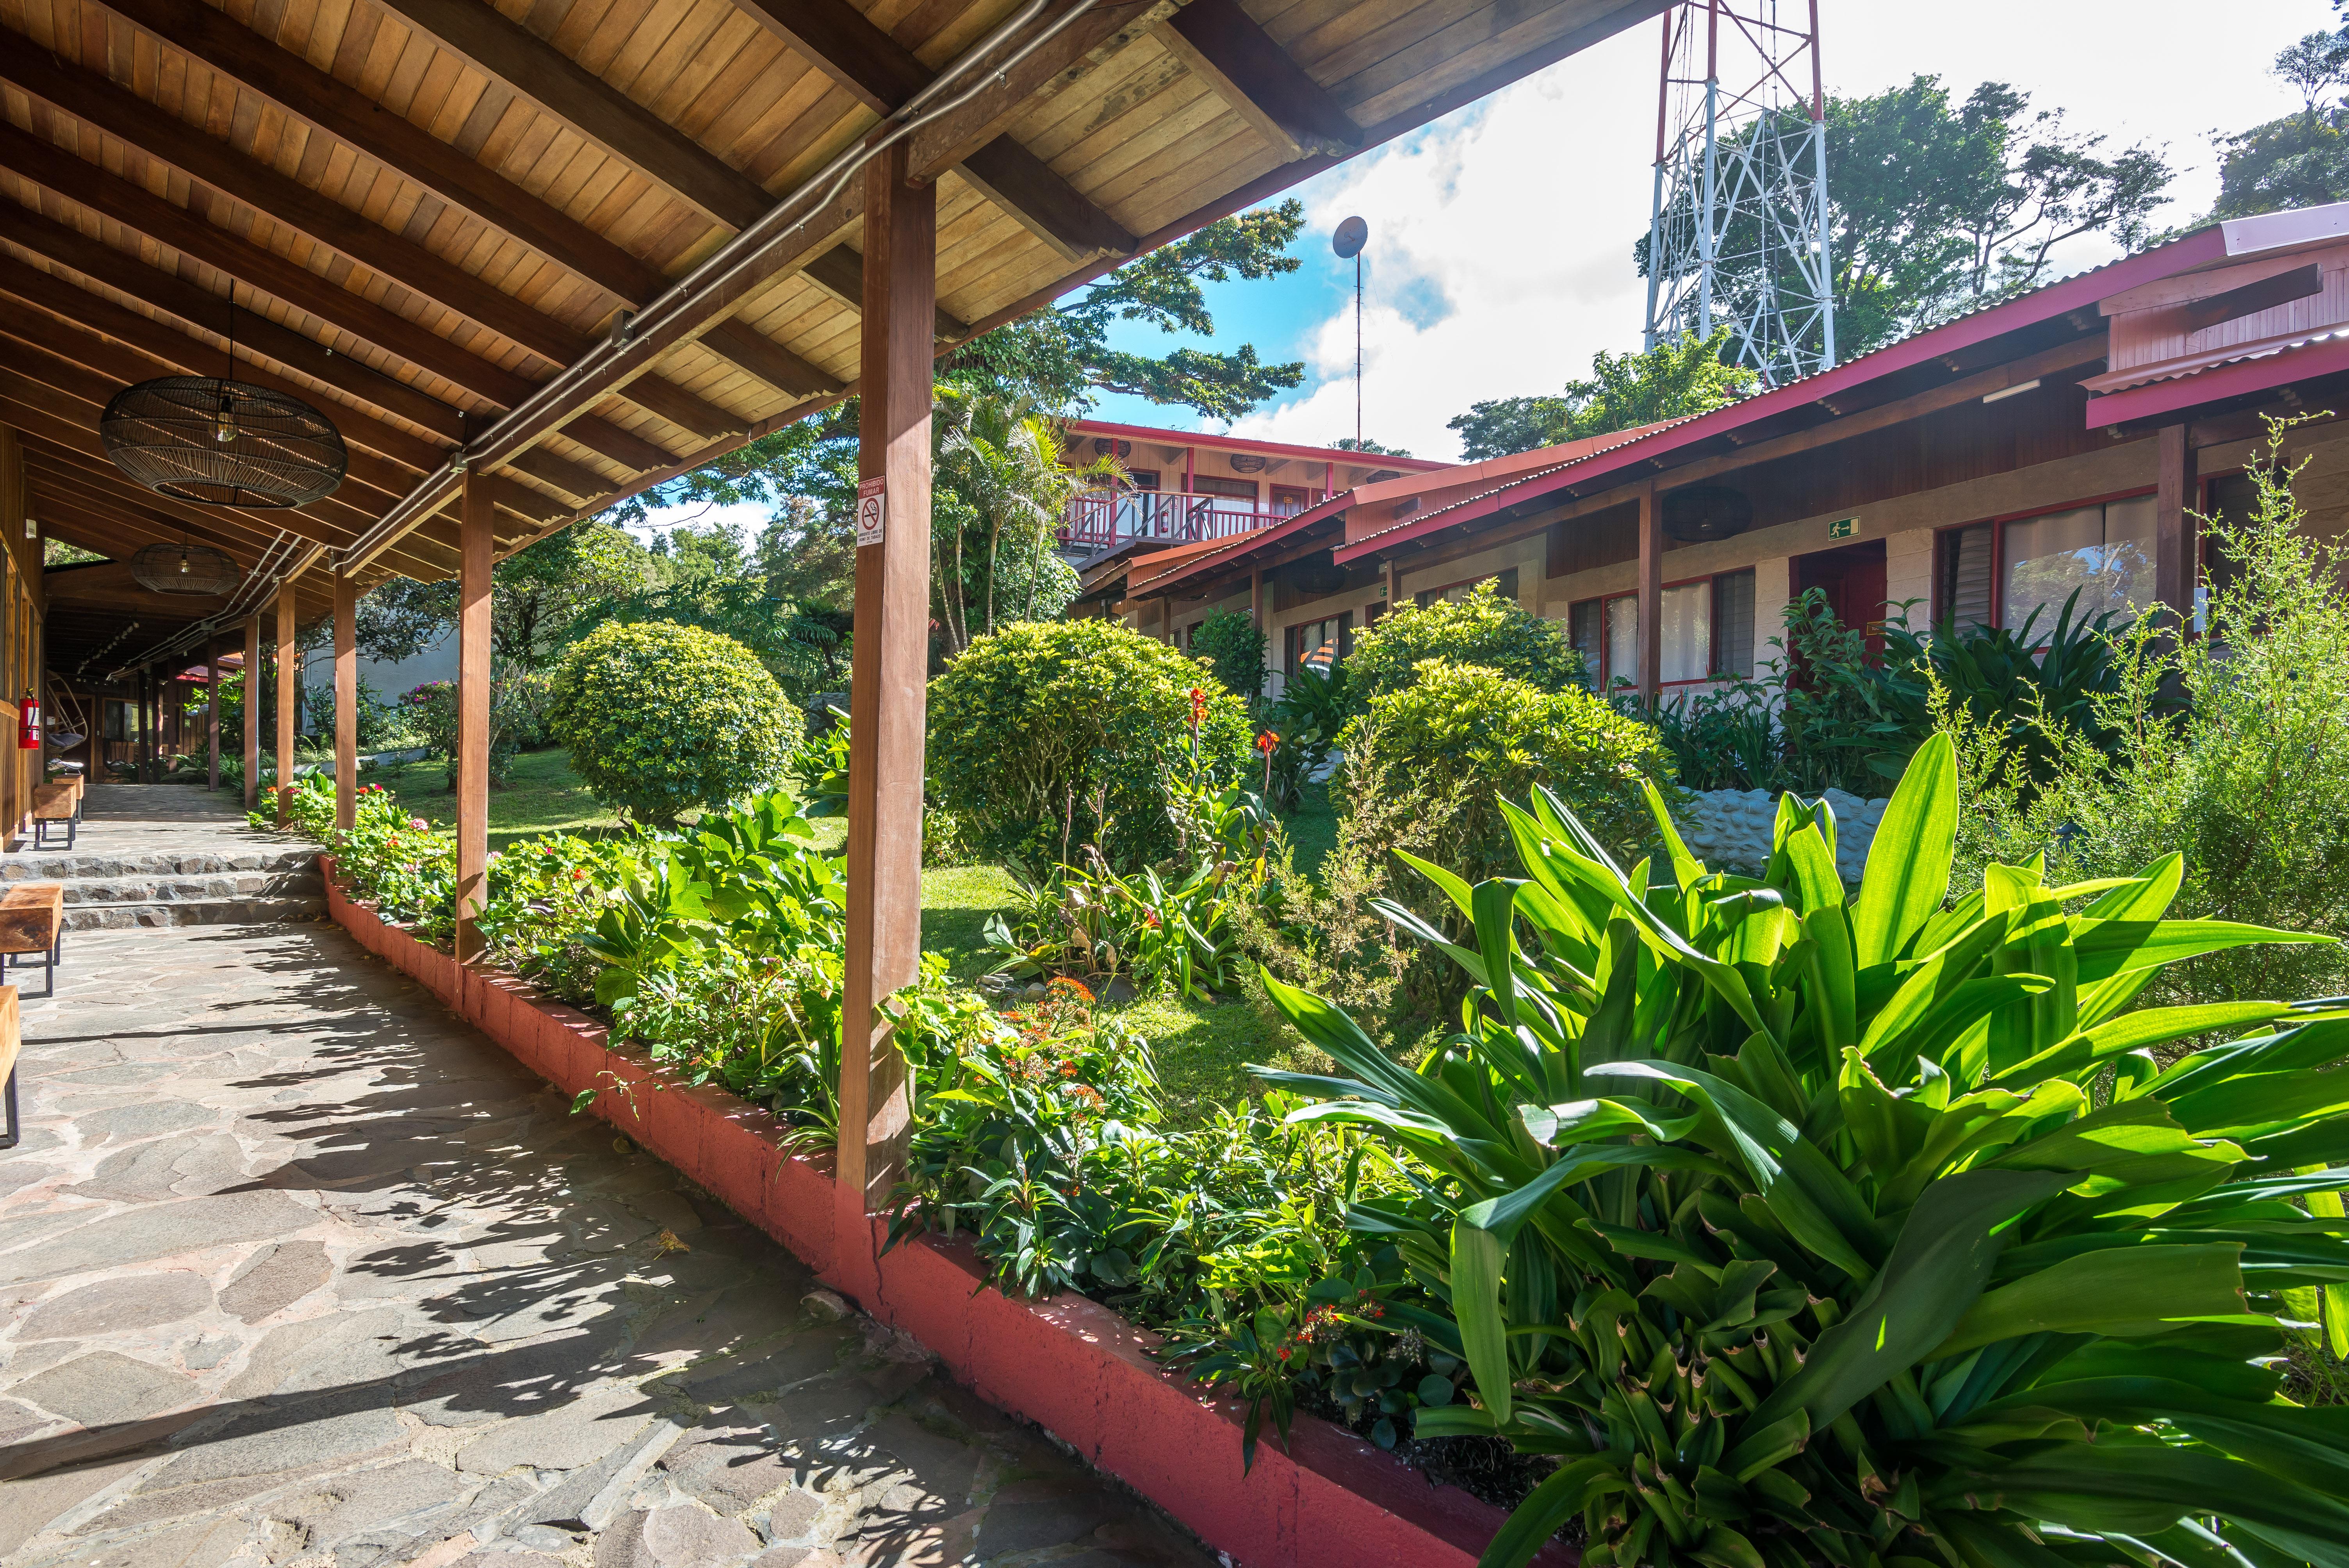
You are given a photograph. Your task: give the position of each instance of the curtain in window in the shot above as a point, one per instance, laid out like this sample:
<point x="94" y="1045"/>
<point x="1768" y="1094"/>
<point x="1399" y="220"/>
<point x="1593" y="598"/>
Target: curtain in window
<point x="1583" y="627"/>
<point x="1688" y="633"/>
<point x="1733" y="618"/>
<point x="1965" y="576"/>
<point x="1623" y="639"/>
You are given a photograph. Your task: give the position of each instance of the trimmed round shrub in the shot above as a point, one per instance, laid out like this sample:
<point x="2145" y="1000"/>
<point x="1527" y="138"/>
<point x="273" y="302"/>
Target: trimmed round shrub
<point x="1066" y="732"/>
<point x="1482" y="629"/>
<point x="1461" y="737"/>
<point x="659" y="718"/>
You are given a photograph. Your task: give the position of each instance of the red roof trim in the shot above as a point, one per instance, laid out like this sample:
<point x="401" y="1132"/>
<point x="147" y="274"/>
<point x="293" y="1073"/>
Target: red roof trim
<point x="2198" y="249"/>
<point x="2256" y="374"/>
<point x="1243" y="444"/>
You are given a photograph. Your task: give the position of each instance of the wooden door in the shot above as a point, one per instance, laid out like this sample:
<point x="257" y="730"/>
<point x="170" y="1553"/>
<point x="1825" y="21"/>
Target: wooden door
<point x="1852" y="578"/>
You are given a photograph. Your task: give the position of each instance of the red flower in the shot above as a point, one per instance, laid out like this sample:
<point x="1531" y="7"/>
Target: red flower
<point x="1198" y="707"/>
<point x="1267" y="741"/>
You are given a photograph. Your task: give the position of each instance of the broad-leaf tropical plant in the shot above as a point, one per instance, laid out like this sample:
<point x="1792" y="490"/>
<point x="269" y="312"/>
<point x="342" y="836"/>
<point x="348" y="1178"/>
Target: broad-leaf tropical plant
<point x="1869" y="1229"/>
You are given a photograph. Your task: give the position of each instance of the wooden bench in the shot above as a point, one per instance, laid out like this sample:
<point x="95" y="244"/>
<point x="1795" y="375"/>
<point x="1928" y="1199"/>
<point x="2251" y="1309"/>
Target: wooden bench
<point x="55" y="803"/>
<point x="11" y="1044"/>
<point x="33" y="920"/>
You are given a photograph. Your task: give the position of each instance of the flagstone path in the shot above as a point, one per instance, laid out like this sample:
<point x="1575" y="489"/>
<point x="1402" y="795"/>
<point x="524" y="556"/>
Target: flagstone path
<point x="297" y="1270"/>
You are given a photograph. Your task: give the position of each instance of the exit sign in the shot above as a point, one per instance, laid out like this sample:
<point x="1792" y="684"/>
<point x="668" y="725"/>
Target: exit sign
<point x="1842" y="527"/>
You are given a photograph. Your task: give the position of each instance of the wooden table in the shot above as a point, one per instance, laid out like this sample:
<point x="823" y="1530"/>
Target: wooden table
<point x="11" y="1044"/>
<point x="54" y="803"/>
<point x="33" y="920"/>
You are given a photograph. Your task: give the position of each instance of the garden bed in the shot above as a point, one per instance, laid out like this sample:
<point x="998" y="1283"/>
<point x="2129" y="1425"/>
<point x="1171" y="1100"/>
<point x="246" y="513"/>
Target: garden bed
<point x="1068" y="1363"/>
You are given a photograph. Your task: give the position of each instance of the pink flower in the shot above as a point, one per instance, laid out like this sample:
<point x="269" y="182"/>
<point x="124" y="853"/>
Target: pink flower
<point x="418" y="823"/>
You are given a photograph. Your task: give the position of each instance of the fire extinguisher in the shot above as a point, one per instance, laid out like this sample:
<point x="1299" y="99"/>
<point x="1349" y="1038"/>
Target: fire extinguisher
<point x="28" y="724"/>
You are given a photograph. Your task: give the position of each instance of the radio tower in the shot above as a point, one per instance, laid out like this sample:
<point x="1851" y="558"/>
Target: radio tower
<point x="1739" y="236"/>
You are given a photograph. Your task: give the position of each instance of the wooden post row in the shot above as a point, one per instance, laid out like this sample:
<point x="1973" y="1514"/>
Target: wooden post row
<point x="1651" y="591"/>
<point x="212" y="712"/>
<point x="289" y="681"/>
<point x="347" y="700"/>
<point x="887" y="691"/>
<point x="252" y="712"/>
<point x="477" y="547"/>
<point x="2173" y="531"/>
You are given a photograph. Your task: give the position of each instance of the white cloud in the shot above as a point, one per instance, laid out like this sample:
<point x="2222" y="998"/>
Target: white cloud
<point x="748" y="517"/>
<point x="1500" y="238"/>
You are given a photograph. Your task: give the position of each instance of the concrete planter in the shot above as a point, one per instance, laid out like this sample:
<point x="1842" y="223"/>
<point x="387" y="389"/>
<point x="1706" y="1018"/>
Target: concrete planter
<point x="1070" y="1364"/>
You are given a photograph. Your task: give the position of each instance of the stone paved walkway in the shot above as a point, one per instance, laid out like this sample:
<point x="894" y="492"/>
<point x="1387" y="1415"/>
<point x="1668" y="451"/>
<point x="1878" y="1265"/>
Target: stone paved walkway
<point x="297" y="1270"/>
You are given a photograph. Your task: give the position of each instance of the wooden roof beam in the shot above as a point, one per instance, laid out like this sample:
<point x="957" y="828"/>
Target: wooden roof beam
<point x="746" y="348"/>
<point x="840" y="272"/>
<point x="76" y="447"/>
<point x="88" y="185"/>
<point x="591" y="107"/>
<point x="88" y="330"/>
<point x="207" y="34"/>
<point x="209" y="312"/>
<point x="1242" y="65"/>
<point x="845" y="44"/>
<point x="95" y="99"/>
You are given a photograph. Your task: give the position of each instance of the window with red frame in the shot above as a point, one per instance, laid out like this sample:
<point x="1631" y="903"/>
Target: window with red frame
<point x="2002" y="572"/>
<point x="1708" y="633"/>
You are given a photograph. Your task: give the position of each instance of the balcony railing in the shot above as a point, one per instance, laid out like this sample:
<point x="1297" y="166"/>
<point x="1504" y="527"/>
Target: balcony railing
<point x="1098" y="522"/>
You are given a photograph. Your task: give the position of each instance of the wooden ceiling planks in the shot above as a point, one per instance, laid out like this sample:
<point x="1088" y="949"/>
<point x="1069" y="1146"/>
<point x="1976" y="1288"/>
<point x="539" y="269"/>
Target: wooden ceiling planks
<point x="427" y="207"/>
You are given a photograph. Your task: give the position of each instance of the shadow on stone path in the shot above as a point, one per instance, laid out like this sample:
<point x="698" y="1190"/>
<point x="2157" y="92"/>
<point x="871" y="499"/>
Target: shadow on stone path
<point x="297" y="1270"/>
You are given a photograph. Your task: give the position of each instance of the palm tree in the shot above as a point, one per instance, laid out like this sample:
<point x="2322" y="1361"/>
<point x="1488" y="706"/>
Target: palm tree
<point x="999" y="468"/>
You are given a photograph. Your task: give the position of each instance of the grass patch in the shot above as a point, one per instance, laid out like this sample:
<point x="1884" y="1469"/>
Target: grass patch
<point x="540" y="795"/>
<point x="1312" y="827"/>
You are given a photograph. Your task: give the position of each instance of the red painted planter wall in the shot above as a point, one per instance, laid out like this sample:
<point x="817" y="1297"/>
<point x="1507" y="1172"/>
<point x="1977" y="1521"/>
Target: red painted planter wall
<point x="1070" y="1364"/>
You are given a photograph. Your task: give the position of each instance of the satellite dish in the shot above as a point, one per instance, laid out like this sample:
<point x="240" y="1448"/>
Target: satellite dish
<point x="1351" y="236"/>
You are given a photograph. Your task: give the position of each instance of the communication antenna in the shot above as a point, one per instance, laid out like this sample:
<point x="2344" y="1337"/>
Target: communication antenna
<point x="1738" y="235"/>
<point x="1348" y="242"/>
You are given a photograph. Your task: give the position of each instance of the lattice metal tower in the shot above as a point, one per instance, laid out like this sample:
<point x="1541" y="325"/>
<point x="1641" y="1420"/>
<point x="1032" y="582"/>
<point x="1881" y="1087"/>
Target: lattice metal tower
<point x="1739" y="235"/>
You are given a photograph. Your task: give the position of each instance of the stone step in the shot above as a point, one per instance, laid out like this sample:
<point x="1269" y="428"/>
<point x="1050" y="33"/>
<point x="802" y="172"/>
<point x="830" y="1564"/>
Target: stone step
<point x="54" y="863"/>
<point x="207" y="912"/>
<point x="305" y="884"/>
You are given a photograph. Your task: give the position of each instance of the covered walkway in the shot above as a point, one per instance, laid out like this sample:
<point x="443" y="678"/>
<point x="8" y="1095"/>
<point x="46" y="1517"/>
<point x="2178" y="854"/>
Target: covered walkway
<point x="296" y="1269"/>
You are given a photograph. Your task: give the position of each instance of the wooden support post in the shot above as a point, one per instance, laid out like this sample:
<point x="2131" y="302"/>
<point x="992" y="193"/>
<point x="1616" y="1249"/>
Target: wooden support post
<point x="888" y="688"/>
<point x="252" y="712"/>
<point x="212" y="712"/>
<point x="2173" y="531"/>
<point x="477" y="547"/>
<point x="346" y="699"/>
<point x="1651" y="591"/>
<point x="289" y="684"/>
<point x="143" y="766"/>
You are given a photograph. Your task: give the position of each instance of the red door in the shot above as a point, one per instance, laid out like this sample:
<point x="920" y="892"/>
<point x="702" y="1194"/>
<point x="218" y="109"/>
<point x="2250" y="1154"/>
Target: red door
<point x="1852" y="578"/>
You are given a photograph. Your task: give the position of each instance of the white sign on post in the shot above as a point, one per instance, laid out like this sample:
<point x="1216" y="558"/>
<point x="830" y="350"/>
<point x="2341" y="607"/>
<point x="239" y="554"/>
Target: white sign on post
<point x="872" y="510"/>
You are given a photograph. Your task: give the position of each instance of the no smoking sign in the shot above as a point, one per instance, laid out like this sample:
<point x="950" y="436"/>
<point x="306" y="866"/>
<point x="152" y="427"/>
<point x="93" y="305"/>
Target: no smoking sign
<point x="872" y="510"/>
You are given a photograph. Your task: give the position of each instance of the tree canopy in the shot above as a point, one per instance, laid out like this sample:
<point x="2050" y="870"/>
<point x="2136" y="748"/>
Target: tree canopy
<point x="1672" y="381"/>
<point x="2300" y="160"/>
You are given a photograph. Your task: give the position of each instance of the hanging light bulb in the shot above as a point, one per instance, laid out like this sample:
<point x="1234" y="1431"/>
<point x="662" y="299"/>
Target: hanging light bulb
<point x="225" y="423"/>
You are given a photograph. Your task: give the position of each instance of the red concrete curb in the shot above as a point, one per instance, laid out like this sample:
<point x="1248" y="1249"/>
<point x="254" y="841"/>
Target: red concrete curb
<point x="1070" y="1364"/>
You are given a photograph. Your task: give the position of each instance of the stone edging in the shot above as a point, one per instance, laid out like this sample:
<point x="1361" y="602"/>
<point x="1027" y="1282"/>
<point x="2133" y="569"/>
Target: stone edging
<point x="1068" y="1363"/>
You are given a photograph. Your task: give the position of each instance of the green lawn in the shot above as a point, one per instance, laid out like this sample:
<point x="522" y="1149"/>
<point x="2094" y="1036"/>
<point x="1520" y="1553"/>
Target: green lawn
<point x="542" y="795"/>
<point x="1203" y="1050"/>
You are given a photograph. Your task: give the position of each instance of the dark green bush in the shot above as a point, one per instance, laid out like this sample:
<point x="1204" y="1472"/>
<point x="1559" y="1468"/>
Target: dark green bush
<point x="1482" y="629"/>
<point x="660" y="718"/>
<point x="1459" y="736"/>
<point x="1049" y="735"/>
<point x="1233" y="646"/>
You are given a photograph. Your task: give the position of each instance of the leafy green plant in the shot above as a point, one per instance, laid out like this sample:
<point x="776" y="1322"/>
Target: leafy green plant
<point x="1482" y="628"/>
<point x="1049" y="735"/>
<point x="1801" y="1228"/>
<point x="1305" y="724"/>
<point x="1459" y="733"/>
<point x="1233" y="644"/>
<point x="661" y="718"/>
<point x="430" y="711"/>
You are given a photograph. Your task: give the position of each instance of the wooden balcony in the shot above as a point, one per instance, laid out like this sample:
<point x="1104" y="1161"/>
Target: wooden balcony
<point x="1094" y="524"/>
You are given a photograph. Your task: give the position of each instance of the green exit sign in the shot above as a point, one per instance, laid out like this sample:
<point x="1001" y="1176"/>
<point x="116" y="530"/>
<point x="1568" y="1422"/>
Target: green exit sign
<point x="1842" y="528"/>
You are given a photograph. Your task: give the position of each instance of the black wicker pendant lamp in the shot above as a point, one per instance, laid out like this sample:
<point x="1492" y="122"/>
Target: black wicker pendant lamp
<point x="222" y="442"/>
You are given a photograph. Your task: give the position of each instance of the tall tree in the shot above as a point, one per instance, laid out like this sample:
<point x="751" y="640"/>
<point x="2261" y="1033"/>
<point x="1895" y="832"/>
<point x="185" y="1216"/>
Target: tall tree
<point x="1062" y="356"/>
<point x="540" y="590"/>
<point x="1672" y="381"/>
<point x="1938" y="208"/>
<point x="2300" y="160"/>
